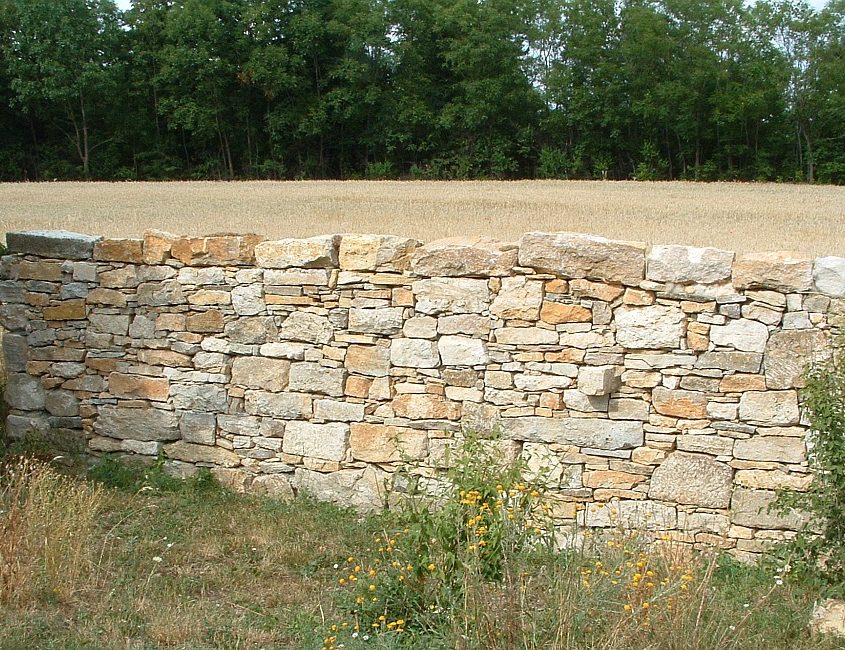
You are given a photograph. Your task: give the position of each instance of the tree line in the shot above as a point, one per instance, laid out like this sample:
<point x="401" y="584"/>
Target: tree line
<point x="442" y="89"/>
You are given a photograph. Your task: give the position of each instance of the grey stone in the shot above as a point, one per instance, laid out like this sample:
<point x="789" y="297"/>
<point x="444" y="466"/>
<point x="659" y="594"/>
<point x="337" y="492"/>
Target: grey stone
<point x="314" y="378"/>
<point x="24" y="392"/>
<point x="596" y="380"/>
<point x="57" y="244"/>
<point x="652" y="327"/>
<point x="74" y="290"/>
<point x="62" y="403"/>
<point x="688" y="265"/>
<point x="451" y="296"/>
<point x="338" y="411"/>
<point x="15" y="353"/>
<point x="202" y="276"/>
<point x="789" y="352"/>
<point x="142" y="328"/>
<point x="292" y="351"/>
<point x="324" y="441"/>
<point x="137" y="423"/>
<point x="305" y="326"/>
<point x="11" y="291"/>
<point x="252" y="331"/>
<point x="362" y="489"/>
<point x="199" y="397"/>
<point x="248" y="300"/>
<point x="629" y="515"/>
<point x="754" y="508"/>
<point x="203" y="454"/>
<point x="692" y="479"/>
<point x="582" y="432"/>
<point x="160" y="294"/>
<point x="774" y="407"/>
<point x="198" y="427"/>
<point x="117" y="324"/>
<point x="278" y="405"/>
<point x="775" y="449"/>
<point x="258" y="372"/>
<point x="742" y="334"/>
<point x="387" y="320"/>
<point x="738" y="361"/>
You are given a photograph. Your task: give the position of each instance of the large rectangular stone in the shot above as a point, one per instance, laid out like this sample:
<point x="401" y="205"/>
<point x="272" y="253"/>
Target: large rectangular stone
<point x="137" y="423"/>
<point x="324" y="441"/>
<point x="124" y="386"/>
<point x="286" y="406"/>
<point x="258" y="372"/>
<point x="57" y="244"/>
<point x="379" y="443"/>
<point x="582" y="432"/>
<point x="316" y="252"/>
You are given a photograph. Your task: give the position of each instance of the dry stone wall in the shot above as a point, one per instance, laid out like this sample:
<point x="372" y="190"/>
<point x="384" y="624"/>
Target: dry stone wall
<point x="650" y="388"/>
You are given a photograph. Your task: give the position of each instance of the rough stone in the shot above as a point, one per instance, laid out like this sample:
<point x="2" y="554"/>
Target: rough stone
<point x="40" y="270"/>
<point x="582" y="256"/>
<point x="414" y="353"/>
<point x="828" y="617"/>
<point x="464" y="256"/>
<point x="692" y="479"/>
<point x="287" y="406"/>
<point x="370" y="360"/>
<point x="526" y="336"/>
<point x="124" y="386"/>
<point x="771" y="449"/>
<point x="747" y="362"/>
<point x="451" y="296"/>
<point x="257" y="372"/>
<point x="61" y="403"/>
<point x="199" y="397"/>
<point x="58" y="244"/>
<point x="191" y="453"/>
<point x="769" y="408"/>
<point x="24" y="392"/>
<point x="387" y="320"/>
<point x="690" y="405"/>
<point x="359" y="488"/>
<point x="426" y="407"/>
<point x="582" y="432"/>
<point x="705" y="444"/>
<point x="753" y="508"/>
<point x="338" y="411"/>
<point x="109" y="323"/>
<point x="421" y="327"/>
<point x="308" y="327"/>
<point x="198" y="428"/>
<point x="378" y="443"/>
<point x="462" y="351"/>
<point x="688" y="265"/>
<point x="314" y="378"/>
<point x="108" y="297"/>
<point x="788" y="352"/>
<point x="558" y="312"/>
<point x="216" y="250"/>
<point x="629" y="515"/>
<point x="596" y="380"/>
<point x="120" y="250"/>
<point x="372" y="252"/>
<point x="325" y="441"/>
<point x="248" y="300"/>
<point x="67" y="310"/>
<point x="741" y="334"/>
<point x="137" y="423"/>
<point x="15" y="353"/>
<point x="518" y="298"/>
<point x="251" y="331"/>
<point x="316" y="252"/>
<point x="778" y="271"/>
<point x="652" y="327"/>
<point x="829" y="275"/>
<point x="207" y="322"/>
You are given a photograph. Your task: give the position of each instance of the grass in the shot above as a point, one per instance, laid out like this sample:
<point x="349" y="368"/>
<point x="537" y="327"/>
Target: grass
<point x="189" y="565"/>
<point x="735" y="216"/>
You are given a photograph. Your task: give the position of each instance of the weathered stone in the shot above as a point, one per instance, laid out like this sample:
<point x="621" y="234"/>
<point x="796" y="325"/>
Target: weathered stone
<point x="829" y="275"/>
<point x="629" y="515"/>
<point x="372" y="252"/>
<point x="828" y="617"/>
<point x="67" y="310"/>
<point x="685" y="404"/>
<point x="61" y="403"/>
<point x="740" y="383"/>
<point x="558" y="312"/>
<point x="426" y="407"/>
<point x="378" y="443"/>
<point x="754" y="508"/>
<point x="518" y="298"/>
<point x="692" y="479"/>
<point x="216" y="250"/>
<point x="198" y="428"/>
<point x="109" y="323"/>
<point x="414" y="353"/>
<point x="58" y="244"/>
<point x="159" y="294"/>
<point x="207" y="322"/>
<point x="287" y="406"/>
<point x="582" y="432"/>
<point x="772" y="480"/>
<point x="292" y="351"/>
<point x="205" y="297"/>
<point x="471" y="324"/>
<point x="598" y="290"/>
<point x="120" y="250"/>
<point x="248" y="300"/>
<point x="771" y="449"/>
<point x="526" y="336"/>
<point x="24" y="392"/>
<point x="14" y="317"/>
<point x="251" y="331"/>
<point x="191" y="453"/>
<point x="199" y="397"/>
<point x="40" y="270"/>
<point x="420" y="327"/>
<point x="109" y="297"/>
<point x="582" y="256"/>
<point x="451" y="296"/>
<point x="387" y="320"/>
<point x="338" y="411"/>
<point x="652" y="327"/>
<point x="705" y="444"/>
<point x="325" y="441"/>
<point x="789" y="352"/>
<point x="741" y="334"/>
<point x="316" y="252"/>
<point x="15" y="353"/>
<point x="370" y="360"/>
<point x="308" y="327"/>
<point x="137" y="423"/>
<point x="544" y="466"/>
<point x="779" y="271"/>
<point x="314" y="378"/>
<point x="612" y="479"/>
<point x="462" y="351"/>
<point x="297" y="277"/>
<point x="359" y="488"/>
<point x="202" y="276"/>
<point x="688" y="265"/>
<point x="575" y="400"/>
<point x="123" y="278"/>
<point x="157" y="244"/>
<point x="769" y="408"/>
<point x="464" y="256"/>
<point x="124" y="386"/>
<point x="257" y="372"/>
<point x="596" y="380"/>
<point x="627" y="409"/>
<point x="736" y="361"/>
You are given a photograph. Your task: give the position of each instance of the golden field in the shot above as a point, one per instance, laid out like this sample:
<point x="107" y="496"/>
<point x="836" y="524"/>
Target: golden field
<point x="742" y="217"/>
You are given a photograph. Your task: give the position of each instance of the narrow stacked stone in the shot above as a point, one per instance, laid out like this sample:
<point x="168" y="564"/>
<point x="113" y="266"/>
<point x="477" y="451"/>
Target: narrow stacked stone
<point x="653" y="389"/>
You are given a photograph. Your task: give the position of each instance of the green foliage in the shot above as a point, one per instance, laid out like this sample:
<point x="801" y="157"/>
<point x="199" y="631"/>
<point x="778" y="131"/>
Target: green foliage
<point x="129" y="476"/>
<point x="820" y="548"/>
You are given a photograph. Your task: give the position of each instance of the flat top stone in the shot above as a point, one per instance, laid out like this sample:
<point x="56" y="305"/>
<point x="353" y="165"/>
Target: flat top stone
<point x="60" y="244"/>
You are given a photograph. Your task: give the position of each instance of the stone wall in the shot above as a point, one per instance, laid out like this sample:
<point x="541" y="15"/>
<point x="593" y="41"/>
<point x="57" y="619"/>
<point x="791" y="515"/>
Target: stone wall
<point x="655" y="388"/>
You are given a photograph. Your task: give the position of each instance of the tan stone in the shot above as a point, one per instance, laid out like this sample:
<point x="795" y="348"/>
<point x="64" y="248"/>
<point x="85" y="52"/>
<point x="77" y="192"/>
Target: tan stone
<point x="210" y="297"/>
<point x="740" y="383"/>
<point x="216" y="250"/>
<point x="770" y="407"/>
<point x="597" y="290"/>
<point x="692" y="479"/>
<point x="518" y="298"/>
<point x="753" y="508"/>
<point x="426" y="407"/>
<point x="120" y="250"/>
<point x="370" y="360"/>
<point x="557" y="286"/>
<point x="638" y="297"/>
<point x="772" y="480"/>
<point x="697" y="342"/>
<point x="401" y="297"/>
<point x="67" y="310"/>
<point x="648" y="456"/>
<point x="771" y="449"/>
<point x="46" y="271"/>
<point x="828" y="617"/>
<point x="124" y="386"/>
<point x="371" y="252"/>
<point x="258" y="372"/>
<point x="789" y="352"/>
<point x="378" y="443"/>
<point x="557" y="313"/>
<point x="315" y="252"/>
<point x="779" y="271"/>
<point x="686" y="404"/>
<point x="111" y="297"/>
<point x="207" y="322"/>
<point x="157" y="244"/>
<point x="464" y="256"/>
<point x="358" y="386"/>
<point x="170" y="322"/>
<point x="204" y="454"/>
<point x="612" y="479"/>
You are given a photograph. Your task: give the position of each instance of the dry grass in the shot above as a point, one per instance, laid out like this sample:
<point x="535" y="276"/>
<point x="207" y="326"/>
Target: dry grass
<point x="742" y="217"/>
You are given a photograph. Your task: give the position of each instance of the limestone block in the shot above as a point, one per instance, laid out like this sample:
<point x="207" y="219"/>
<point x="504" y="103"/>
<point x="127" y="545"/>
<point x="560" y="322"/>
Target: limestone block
<point x="252" y="331"/>
<point x="136" y="423"/>
<point x="597" y="380"/>
<point x="470" y="324"/>
<point x="426" y="407"/>
<point x="57" y="244"/>
<point x="829" y="275"/>
<point x="203" y="276"/>
<point x="191" y="453"/>
<point x="362" y="489"/>
<point x="464" y="256"/>
<point x="205" y="297"/>
<point x="526" y="336"/>
<point x="705" y="444"/>
<point x="297" y="277"/>
<point x="109" y="323"/>
<point x="752" y="508"/>
<point x="769" y="407"/>
<point x="372" y="252"/>
<point x="771" y="449"/>
<point x="66" y="310"/>
<point x="739" y="383"/>
<point x="420" y="327"/>
<point x="207" y="322"/>
<point x="308" y="327"/>
<point x="386" y="320"/>
<point x="571" y="255"/>
<point x="612" y="479"/>
<point x="544" y="466"/>
<point x="582" y="432"/>
<point x="24" y="392"/>
<point x="414" y="353"/>
<point x="651" y="327"/>
<point x="687" y="404"/>
<point x="123" y="278"/>
<point x="316" y="252"/>
<point x="451" y="296"/>
<point x="248" y="300"/>
<point x="314" y="378"/>
<point x="108" y="297"/>
<point x="627" y="409"/>
<point x="287" y="406"/>
<point x="61" y="403"/>
<point x="742" y="334"/>
<point x="15" y="353"/>
<point x="688" y="265"/>
<point x="462" y="351"/>
<point x="257" y="372"/>
<point x="325" y="441"/>
<point x="828" y="617"/>
<point x="556" y="313"/>
<point x="778" y="271"/>
<point x="120" y="250"/>
<point x="693" y="479"/>
<point x="379" y="443"/>
<point x="597" y="290"/>
<point x="274" y="487"/>
<point x="199" y="397"/>
<point x="747" y="362"/>
<point x="629" y="515"/>
<point x="772" y="480"/>
<point x="216" y="250"/>
<point x="124" y="386"/>
<point x="160" y="294"/>
<point x="198" y="428"/>
<point x="788" y="352"/>
<point x="518" y="298"/>
<point x="338" y="411"/>
<point x="370" y="360"/>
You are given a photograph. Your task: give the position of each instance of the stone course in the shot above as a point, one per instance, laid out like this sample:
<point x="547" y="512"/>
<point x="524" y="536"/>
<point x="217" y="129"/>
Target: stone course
<point x="655" y="388"/>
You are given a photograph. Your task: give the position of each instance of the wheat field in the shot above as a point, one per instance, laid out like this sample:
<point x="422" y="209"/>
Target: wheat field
<point x="735" y="216"/>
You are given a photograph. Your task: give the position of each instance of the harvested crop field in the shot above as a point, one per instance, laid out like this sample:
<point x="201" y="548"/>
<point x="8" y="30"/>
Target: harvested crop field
<point x="741" y="217"/>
